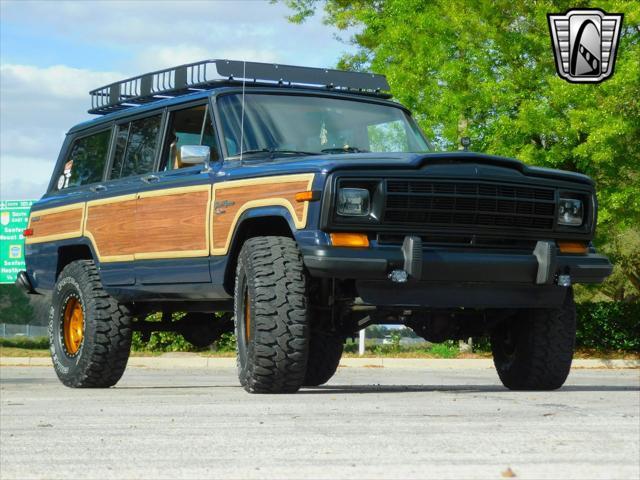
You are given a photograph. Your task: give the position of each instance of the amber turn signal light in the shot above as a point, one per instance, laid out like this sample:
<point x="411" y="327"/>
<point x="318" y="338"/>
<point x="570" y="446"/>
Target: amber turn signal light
<point x="308" y="196"/>
<point x="573" y="247"/>
<point x="349" y="240"/>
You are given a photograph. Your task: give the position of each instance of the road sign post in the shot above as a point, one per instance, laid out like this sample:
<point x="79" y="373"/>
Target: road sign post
<point x="14" y="216"/>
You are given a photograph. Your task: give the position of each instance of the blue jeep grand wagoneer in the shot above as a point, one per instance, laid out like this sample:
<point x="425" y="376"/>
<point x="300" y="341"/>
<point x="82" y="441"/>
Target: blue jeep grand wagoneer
<point x="296" y="206"/>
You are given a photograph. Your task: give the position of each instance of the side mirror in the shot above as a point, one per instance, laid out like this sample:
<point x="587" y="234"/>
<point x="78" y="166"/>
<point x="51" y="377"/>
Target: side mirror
<point x="195" y="155"/>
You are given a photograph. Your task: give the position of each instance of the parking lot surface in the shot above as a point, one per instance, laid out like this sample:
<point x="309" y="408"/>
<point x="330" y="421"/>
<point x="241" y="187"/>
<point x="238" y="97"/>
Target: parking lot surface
<point x="366" y="423"/>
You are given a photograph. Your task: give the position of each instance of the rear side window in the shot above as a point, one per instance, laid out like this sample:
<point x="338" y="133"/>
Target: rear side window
<point x="136" y="146"/>
<point x="86" y="161"/>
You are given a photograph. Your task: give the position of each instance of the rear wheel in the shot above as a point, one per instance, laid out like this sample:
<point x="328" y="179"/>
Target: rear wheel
<point x="271" y="315"/>
<point x="534" y="350"/>
<point x="325" y="352"/>
<point x="89" y="331"/>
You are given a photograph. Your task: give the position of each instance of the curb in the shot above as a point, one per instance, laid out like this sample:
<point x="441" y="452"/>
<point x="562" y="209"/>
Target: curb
<point x="170" y="361"/>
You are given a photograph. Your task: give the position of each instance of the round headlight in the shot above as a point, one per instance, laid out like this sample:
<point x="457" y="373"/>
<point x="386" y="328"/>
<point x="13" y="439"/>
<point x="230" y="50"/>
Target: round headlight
<point x="353" y="202"/>
<point x="570" y="212"/>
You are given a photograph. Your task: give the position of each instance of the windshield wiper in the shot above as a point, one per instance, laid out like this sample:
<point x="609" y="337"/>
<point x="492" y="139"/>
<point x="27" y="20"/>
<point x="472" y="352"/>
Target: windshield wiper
<point x="273" y="152"/>
<point x="344" y="150"/>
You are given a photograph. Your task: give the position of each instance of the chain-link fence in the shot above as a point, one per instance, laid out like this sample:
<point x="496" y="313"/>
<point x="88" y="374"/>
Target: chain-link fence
<point x="10" y="330"/>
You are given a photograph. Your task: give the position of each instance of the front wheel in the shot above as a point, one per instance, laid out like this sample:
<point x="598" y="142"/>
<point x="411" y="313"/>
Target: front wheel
<point x="89" y="331"/>
<point x="325" y="352"/>
<point x="534" y="349"/>
<point x="271" y="316"/>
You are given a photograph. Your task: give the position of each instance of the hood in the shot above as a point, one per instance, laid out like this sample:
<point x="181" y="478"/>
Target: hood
<point x="394" y="161"/>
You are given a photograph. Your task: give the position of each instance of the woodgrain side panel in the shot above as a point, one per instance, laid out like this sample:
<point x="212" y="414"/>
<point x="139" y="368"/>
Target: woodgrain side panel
<point x="231" y="200"/>
<point x="173" y="225"/>
<point x="111" y="228"/>
<point x="56" y="224"/>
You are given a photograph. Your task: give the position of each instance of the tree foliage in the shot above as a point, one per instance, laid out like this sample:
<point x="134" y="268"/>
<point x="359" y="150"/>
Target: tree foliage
<point x="485" y="69"/>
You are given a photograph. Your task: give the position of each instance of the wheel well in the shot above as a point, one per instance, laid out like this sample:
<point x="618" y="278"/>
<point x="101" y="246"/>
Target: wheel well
<point x="273" y="226"/>
<point x="71" y="253"/>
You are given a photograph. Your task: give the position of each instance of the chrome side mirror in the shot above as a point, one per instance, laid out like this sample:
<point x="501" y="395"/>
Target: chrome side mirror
<point x="196" y="155"/>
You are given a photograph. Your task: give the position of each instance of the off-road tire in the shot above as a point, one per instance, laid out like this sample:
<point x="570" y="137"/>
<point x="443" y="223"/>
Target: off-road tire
<point x="270" y="274"/>
<point x="325" y="352"/>
<point x="104" y="351"/>
<point x="534" y="349"/>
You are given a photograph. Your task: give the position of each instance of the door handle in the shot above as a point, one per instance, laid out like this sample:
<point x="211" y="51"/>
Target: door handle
<point x="98" y="188"/>
<point x="150" y="179"/>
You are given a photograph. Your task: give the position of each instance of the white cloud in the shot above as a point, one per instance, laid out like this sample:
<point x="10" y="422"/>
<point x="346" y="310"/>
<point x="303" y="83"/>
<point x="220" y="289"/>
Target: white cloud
<point x="37" y="107"/>
<point x="24" y="178"/>
<point x="58" y="80"/>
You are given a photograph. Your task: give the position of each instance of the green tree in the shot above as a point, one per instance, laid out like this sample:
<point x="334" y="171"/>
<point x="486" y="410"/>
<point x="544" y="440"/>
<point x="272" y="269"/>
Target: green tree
<point x="14" y="306"/>
<point x="485" y="69"/>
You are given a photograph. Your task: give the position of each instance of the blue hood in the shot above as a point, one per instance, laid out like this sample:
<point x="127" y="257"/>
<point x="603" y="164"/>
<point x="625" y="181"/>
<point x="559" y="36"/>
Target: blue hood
<point x="256" y="166"/>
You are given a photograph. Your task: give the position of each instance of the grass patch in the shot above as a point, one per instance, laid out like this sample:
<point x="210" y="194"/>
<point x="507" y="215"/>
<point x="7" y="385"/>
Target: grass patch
<point x="23" y="352"/>
<point x="35" y="343"/>
<point x="39" y="347"/>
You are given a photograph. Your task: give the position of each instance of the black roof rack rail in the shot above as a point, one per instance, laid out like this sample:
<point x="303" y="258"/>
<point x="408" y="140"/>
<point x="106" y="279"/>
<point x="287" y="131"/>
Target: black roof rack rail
<point x="184" y="79"/>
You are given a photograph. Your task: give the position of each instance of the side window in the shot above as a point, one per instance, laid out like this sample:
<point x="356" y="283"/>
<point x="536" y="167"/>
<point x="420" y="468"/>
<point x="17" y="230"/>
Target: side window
<point x="191" y="126"/>
<point x="86" y="161"/>
<point x="136" y="147"/>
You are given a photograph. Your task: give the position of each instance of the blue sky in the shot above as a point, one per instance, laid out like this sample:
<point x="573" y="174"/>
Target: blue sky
<point x="52" y="53"/>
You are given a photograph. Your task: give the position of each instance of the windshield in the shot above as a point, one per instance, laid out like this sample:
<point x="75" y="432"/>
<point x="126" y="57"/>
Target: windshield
<point x="302" y="124"/>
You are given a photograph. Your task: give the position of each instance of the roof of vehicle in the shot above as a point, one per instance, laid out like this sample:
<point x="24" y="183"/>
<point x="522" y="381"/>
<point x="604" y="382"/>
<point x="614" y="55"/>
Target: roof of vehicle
<point x="193" y="81"/>
<point x="202" y="94"/>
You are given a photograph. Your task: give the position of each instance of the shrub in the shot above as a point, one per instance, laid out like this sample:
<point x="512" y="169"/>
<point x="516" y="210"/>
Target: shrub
<point x="609" y="326"/>
<point x="226" y="343"/>
<point x="31" y="343"/>
<point x="163" y="342"/>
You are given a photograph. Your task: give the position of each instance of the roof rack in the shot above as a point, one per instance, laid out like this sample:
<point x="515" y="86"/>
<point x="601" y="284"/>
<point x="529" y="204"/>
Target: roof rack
<point x="184" y="79"/>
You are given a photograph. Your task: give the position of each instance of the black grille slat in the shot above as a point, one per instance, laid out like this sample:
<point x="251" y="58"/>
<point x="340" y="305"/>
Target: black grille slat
<point x="468" y="204"/>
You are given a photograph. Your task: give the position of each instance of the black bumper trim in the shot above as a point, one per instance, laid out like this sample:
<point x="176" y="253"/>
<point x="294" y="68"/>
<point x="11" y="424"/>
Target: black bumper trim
<point x="459" y="295"/>
<point x="452" y="266"/>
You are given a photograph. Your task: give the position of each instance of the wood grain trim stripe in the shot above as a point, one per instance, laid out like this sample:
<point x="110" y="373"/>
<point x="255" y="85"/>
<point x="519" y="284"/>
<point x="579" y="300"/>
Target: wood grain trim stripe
<point x="57" y="223"/>
<point x="189" y="212"/>
<point x="280" y="191"/>
<point x="175" y="191"/>
<point x="109" y="226"/>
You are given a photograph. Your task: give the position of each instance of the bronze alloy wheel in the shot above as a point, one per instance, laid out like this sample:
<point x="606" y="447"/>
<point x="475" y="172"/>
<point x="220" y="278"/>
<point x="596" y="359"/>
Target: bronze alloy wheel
<point x="89" y="331"/>
<point x="73" y="325"/>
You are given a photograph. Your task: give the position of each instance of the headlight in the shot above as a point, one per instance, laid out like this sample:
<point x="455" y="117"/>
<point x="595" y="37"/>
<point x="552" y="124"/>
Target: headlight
<point x="570" y="212"/>
<point x="353" y="202"/>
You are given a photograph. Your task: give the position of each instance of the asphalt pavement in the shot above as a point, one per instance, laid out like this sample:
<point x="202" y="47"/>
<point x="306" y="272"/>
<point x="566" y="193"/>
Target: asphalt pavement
<point x="366" y="423"/>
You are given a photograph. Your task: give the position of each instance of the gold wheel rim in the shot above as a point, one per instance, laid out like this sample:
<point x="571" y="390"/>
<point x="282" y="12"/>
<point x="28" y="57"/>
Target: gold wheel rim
<point x="247" y="315"/>
<point x="73" y="325"/>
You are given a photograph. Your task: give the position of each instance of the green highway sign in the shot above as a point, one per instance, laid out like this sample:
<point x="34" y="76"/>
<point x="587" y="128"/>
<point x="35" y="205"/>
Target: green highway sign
<point x="14" y="217"/>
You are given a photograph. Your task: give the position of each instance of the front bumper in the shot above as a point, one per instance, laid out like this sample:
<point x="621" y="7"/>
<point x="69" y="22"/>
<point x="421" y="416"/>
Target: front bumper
<point x="539" y="267"/>
<point x="445" y="279"/>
